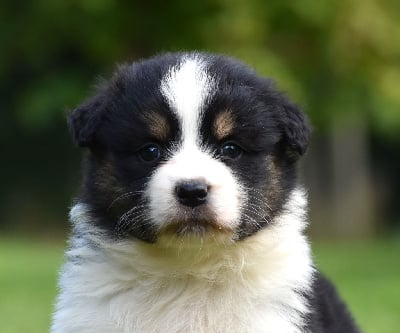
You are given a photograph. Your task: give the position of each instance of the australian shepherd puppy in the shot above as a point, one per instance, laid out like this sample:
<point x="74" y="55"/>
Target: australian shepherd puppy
<point x="191" y="217"/>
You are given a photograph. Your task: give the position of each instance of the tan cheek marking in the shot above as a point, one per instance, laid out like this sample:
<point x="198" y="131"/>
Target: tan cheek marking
<point x="105" y="178"/>
<point x="223" y="125"/>
<point x="275" y="175"/>
<point x="158" y="125"/>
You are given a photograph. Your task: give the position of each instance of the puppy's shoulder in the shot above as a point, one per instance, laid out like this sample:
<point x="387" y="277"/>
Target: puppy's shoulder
<point x="329" y="313"/>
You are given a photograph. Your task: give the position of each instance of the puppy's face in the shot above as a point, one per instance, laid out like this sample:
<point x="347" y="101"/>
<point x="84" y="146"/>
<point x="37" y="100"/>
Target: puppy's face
<point x="188" y="146"/>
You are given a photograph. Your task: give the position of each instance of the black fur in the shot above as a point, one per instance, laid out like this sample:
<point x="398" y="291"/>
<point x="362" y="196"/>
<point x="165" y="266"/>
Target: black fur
<point x="270" y="129"/>
<point x="329" y="313"/>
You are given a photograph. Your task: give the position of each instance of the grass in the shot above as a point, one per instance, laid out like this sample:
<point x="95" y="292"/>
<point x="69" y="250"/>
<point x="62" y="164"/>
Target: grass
<point x="28" y="274"/>
<point x="367" y="275"/>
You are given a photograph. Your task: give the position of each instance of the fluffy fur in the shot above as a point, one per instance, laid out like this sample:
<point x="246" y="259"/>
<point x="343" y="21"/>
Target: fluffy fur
<point x="191" y="218"/>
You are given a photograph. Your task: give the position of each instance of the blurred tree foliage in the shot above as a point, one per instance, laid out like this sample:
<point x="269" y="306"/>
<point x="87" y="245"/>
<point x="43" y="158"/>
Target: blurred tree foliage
<point x="340" y="59"/>
<point x="334" y="56"/>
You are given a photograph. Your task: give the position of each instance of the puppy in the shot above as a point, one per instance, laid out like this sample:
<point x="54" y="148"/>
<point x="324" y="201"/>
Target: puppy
<point x="190" y="217"/>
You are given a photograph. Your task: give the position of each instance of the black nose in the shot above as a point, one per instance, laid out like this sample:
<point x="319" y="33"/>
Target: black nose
<point x="191" y="193"/>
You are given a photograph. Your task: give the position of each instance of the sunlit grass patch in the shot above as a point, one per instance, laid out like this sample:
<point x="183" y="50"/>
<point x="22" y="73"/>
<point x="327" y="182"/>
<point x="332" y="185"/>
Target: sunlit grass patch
<point x="367" y="275"/>
<point x="28" y="274"/>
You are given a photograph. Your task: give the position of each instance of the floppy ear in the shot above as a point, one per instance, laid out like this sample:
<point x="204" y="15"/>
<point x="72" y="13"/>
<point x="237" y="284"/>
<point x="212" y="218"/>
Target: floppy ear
<point x="84" y="121"/>
<point x="296" y="128"/>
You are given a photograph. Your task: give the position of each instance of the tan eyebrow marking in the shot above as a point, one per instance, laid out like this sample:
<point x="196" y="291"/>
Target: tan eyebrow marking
<point x="158" y="125"/>
<point x="223" y="124"/>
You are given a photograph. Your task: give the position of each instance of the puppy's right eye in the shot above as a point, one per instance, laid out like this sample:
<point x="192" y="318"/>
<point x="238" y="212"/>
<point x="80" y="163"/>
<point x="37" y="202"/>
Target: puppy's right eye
<point x="231" y="151"/>
<point x="150" y="153"/>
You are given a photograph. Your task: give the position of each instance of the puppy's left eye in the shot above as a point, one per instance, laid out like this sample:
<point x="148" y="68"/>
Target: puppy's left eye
<point x="230" y="150"/>
<point x="150" y="153"/>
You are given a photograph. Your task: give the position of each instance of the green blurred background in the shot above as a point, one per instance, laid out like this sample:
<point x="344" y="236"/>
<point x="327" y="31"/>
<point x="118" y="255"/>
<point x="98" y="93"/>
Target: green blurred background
<point x="340" y="60"/>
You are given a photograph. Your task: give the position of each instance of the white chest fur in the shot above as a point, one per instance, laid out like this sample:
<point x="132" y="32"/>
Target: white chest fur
<point x="254" y="285"/>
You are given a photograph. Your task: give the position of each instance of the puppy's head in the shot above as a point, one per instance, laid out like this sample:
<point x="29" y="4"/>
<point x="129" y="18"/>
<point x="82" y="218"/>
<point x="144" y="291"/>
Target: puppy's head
<point x="188" y="146"/>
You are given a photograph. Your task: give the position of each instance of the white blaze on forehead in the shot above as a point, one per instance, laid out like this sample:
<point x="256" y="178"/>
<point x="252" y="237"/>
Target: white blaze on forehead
<point x="187" y="87"/>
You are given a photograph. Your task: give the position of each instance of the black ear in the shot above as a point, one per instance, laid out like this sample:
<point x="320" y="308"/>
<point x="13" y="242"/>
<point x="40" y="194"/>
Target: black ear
<point x="296" y="128"/>
<point x="84" y="121"/>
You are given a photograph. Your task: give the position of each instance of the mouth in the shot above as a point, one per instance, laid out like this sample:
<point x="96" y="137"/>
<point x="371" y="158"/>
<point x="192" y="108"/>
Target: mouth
<point x="193" y="227"/>
<point x="197" y="222"/>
